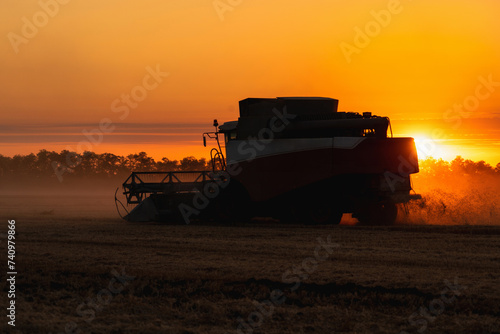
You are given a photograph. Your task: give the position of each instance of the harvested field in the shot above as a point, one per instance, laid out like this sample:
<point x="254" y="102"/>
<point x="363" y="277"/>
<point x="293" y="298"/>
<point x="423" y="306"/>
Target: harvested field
<point x="81" y="269"/>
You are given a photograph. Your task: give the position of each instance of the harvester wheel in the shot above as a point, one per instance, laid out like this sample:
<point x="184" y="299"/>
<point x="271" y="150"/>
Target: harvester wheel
<point x="321" y="212"/>
<point x="379" y="214"/>
<point x="232" y="205"/>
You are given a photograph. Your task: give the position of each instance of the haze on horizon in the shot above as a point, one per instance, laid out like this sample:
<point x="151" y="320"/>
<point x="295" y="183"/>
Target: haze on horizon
<point x="414" y="61"/>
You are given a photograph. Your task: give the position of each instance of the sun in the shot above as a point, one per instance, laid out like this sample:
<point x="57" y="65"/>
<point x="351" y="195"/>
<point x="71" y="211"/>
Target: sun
<point x="428" y="147"/>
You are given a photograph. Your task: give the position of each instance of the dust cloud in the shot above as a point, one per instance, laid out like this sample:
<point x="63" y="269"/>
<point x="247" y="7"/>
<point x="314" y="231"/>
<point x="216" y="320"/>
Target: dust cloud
<point x="48" y="199"/>
<point x="461" y="192"/>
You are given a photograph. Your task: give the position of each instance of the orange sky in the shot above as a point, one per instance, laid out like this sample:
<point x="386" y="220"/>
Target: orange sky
<point x="63" y="78"/>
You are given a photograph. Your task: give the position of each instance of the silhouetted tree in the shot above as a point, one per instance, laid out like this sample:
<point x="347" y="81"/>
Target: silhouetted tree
<point x="4" y="165"/>
<point x="192" y="164"/>
<point x="110" y="164"/>
<point x="44" y="161"/>
<point x="140" y="162"/>
<point x="167" y="165"/>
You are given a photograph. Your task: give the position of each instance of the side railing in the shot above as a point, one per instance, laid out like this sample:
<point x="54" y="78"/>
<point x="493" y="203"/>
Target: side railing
<point x="141" y="184"/>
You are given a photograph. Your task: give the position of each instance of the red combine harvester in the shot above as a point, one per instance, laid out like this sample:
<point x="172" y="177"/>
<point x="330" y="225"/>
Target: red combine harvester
<point x="292" y="158"/>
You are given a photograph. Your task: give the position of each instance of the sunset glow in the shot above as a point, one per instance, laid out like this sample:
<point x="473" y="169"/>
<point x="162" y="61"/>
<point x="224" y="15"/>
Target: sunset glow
<point x="427" y="147"/>
<point x="67" y="67"/>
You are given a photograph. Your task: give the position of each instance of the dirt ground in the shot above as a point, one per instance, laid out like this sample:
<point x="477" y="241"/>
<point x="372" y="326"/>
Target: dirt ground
<point x="83" y="270"/>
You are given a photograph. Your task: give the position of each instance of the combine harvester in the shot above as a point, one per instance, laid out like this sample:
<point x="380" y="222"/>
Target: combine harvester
<point x="292" y="158"/>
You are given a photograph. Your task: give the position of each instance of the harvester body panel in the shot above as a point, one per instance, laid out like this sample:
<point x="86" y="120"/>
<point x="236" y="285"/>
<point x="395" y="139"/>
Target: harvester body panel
<point x="287" y="164"/>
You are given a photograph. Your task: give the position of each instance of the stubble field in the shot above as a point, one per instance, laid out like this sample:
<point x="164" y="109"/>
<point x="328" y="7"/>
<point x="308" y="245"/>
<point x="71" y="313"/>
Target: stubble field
<point x="82" y="269"/>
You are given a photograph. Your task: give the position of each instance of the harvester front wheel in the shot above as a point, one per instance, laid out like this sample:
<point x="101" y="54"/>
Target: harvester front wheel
<point x="321" y="212"/>
<point x="233" y="205"/>
<point x="379" y="214"/>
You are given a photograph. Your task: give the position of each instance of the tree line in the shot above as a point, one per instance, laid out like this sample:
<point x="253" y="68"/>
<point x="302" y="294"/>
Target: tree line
<point x="458" y="166"/>
<point x="42" y="164"/>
